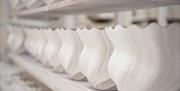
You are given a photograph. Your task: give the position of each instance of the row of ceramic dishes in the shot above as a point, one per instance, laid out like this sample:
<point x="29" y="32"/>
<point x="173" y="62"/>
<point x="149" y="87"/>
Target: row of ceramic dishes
<point x="29" y="4"/>
<point x="132" y="58"/>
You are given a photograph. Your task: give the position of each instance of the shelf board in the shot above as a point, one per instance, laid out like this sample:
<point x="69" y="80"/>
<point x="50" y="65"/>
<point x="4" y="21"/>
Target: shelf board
<point x="92" y="6"/>
<point x="55" y="81"/>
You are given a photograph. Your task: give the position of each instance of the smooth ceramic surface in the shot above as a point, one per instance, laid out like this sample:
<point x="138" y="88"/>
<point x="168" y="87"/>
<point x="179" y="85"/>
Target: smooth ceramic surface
<point x="52" y="47"/>
<point x="141" y="59"/>
<point x="132" y="58"/>
<point x="16" y="39"/>
<point x="94" y="58"/>
<point x="41" y="41"/>
<point x="68" y="56"/>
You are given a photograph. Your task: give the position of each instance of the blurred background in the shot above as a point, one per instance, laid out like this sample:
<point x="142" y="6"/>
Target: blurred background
<point x="13" y="78"/>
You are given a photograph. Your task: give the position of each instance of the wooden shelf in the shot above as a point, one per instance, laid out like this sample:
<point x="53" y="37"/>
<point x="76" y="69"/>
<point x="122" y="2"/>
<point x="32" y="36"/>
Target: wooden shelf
<point x="92" y="6"/>
<point x="55" y="81"/>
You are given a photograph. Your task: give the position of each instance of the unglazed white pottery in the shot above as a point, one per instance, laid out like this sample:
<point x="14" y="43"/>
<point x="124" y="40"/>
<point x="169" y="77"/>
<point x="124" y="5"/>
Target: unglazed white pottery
<point x="154" y="35"/>
<point x="31" y="41"/>
<point x="41" y="40"/>
<point x="172" y="39"/>
<point x="35" y="38"/>
<point x="52" y="47"/>
<point x="168" y="78"/>
<point x="133" y="58"/>
<point x="126" y="52"/>
<point x="130" y="59"/>
<point x="119" y="38"/>
<point x="68" y="56"/>
<point x="141" y="58"/>
<point x="28" y="40"/>
<point x="94" y="58"/>
<point x="56" y="63"/>
<point x="16" y="39"/>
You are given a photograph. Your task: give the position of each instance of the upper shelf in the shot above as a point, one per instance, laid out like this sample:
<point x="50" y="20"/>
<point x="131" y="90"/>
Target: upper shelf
<point x="92" y="6"/>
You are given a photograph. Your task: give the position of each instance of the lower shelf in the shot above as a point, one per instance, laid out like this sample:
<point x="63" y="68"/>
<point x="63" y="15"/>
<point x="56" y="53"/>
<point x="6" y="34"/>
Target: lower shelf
<point x="55" y="81"/>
